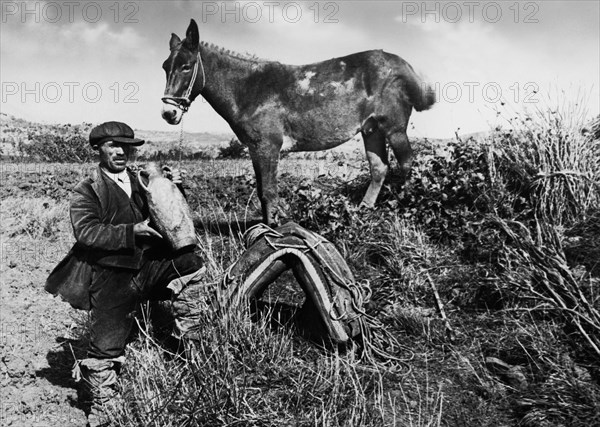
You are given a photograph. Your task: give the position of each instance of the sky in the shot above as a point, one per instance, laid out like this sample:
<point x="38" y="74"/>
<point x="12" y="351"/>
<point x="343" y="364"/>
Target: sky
<point x="94" y="61"/>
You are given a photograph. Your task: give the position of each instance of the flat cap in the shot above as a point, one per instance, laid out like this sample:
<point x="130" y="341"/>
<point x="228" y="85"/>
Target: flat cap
<point x="113" y="131"/>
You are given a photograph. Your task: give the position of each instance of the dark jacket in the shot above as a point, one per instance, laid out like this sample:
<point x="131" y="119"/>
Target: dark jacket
<point x="102" y="217"/>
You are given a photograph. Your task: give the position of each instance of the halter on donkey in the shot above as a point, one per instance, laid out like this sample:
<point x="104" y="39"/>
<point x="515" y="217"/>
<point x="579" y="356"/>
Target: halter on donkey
<point x="273" y="107"/>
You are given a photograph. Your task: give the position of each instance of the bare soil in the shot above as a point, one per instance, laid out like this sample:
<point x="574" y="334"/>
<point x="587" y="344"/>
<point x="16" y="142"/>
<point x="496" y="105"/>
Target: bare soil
<point x="39" y="334"/>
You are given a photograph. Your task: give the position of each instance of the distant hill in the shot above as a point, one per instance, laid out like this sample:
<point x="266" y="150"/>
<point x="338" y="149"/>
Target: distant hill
<point x="163" y="141"/>
<point x="15" y="131"/>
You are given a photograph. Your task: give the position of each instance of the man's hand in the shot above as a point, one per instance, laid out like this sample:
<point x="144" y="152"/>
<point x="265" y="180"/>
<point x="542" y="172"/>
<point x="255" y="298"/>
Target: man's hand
<point x="174" y="175"/>
<point x="142" y="229"/>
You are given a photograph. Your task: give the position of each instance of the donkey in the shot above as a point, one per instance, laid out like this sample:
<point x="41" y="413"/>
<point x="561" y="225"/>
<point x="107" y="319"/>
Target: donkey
<point x="273" y="107"/>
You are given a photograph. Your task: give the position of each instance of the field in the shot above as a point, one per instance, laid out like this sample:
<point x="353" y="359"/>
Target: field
<point x="483" y="265"/>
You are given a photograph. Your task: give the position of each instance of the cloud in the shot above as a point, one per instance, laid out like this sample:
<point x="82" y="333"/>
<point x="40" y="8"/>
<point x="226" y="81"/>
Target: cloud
<point x="105" y="41"/>
<point x="87" y="35"/>
<point x="44" y="43"/>
<point x="292" y="31"/>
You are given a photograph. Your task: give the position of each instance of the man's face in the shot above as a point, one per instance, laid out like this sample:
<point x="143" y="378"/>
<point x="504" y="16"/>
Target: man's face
<point x="114" y="156"/>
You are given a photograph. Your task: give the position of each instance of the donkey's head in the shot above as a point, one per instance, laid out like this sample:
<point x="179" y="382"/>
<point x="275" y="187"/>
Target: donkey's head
<point x="185" y="74"/>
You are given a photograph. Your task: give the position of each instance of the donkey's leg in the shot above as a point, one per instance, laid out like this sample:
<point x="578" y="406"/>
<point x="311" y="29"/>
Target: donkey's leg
<point x="258" y="175"/>
<point x="377" y="157"/>
<point x="393" y="119"/>
<point x="265" y="160"/>
<point x="402" y="150"/>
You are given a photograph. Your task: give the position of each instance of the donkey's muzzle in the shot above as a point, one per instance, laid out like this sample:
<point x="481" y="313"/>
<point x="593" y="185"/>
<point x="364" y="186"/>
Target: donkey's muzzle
<point x="172" y="113"/>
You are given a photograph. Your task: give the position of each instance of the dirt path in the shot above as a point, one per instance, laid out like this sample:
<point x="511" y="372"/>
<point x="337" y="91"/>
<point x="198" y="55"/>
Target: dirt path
<point x="35" y="332"/>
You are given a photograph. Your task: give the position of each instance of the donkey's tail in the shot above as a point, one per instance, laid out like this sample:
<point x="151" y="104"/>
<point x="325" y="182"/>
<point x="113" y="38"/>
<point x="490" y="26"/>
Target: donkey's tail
<point x="420" y="93"/>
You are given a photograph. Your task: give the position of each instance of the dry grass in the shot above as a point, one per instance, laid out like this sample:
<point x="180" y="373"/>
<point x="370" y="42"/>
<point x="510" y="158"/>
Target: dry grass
<point x="551" y="281"/>
<point x="243" y="373"/>
<point x="34" y="218"/>
<point x="545" y="154"/>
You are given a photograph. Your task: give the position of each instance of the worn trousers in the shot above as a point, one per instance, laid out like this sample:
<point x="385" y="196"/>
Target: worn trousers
<point x="115" y="294"/>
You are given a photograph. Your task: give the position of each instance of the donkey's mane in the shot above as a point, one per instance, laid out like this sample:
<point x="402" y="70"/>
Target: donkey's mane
<point x="243" y="56"/>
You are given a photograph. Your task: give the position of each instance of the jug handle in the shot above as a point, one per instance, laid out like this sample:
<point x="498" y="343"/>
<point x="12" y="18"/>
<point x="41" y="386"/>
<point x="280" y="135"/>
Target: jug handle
<point x="139" y="177"/>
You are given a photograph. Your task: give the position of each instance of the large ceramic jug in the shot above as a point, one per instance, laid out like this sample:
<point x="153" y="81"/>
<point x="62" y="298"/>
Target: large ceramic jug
<point x="169" y="212"/>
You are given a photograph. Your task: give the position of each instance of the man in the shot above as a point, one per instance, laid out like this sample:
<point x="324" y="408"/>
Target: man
<point x="117" y="261"/>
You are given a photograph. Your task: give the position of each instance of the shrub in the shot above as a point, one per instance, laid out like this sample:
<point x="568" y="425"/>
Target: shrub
<point x="545" y="157"/>
<point x="64" y="144"/>
<point x="444" y="193"/>
<point x="235" y="150"/>
<point x="173" y="154"/>
<point x="332" y="215"/>
<point x="448" y="190"/>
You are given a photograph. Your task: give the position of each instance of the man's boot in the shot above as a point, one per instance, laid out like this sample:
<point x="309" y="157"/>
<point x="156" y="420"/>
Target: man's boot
<point x="189" y="302"/>
<point x="100" y="385"/>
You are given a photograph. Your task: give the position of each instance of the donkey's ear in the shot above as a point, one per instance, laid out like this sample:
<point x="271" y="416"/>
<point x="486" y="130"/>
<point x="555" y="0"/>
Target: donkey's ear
<point x="192" y="36"/>
<point x="174" y="41"/>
